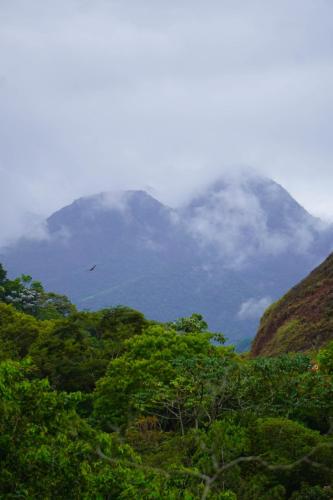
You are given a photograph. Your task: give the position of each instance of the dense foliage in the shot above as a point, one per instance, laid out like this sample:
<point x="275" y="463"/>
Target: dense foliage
<point x="107" y="405"/>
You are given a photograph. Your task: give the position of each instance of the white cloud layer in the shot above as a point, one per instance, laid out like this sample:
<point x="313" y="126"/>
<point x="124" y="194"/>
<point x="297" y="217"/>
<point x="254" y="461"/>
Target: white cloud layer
<point x="106" y="95"/>
<point x="245" y="216"/>
<point x="112" y="200"/>
<point x="253" y="308"/>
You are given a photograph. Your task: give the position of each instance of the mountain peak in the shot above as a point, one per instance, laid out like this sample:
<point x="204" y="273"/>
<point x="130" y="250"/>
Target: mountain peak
<point x="116" y="204"/>
<point x="244" y="217"/>
<point x="113" y="200"/>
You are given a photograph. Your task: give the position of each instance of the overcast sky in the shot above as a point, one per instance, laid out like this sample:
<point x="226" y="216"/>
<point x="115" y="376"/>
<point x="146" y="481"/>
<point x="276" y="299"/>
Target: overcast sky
<point x="162" y="95"/>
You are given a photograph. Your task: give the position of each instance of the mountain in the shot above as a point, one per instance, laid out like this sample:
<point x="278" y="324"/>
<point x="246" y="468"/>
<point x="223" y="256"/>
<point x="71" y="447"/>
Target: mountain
<point x="228" y="253"/>
<point x="140" y="251"/>
<point x="303" y="319"/>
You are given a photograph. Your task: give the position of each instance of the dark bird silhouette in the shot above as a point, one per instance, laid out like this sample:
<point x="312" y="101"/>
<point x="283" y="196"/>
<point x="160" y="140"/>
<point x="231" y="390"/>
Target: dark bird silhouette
<point x="93" y="267"/>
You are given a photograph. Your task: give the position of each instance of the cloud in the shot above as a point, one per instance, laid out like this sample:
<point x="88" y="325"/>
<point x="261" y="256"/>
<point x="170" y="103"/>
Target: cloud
<point x="253" y="308"/>
<point x="245" y="216"/>
<point x="108" y="95"/>
<point x="37" y="230"/>
<point x="112" y="200"/>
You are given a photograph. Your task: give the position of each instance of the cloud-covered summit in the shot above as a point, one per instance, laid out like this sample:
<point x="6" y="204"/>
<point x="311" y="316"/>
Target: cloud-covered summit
<point x="246" y="215"/>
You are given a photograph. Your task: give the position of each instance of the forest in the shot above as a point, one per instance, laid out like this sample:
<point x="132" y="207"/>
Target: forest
<point x="112" y="405"/>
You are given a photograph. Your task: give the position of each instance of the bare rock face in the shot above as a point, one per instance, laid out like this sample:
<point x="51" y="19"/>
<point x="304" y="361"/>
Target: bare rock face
<point x="302" y="320"/>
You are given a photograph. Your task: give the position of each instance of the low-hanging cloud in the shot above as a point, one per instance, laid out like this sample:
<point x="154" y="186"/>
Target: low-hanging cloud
<point x="109" y="95"/>
<point x="253" y="308"/>
<point x="111" y="200"/>
<point x="248" y="216"/>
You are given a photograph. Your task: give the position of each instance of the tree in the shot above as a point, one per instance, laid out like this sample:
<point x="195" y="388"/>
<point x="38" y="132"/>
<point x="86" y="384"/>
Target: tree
<point x="192" y="324"/>
<point x="3" y="275"/>
<point x="53" y="306"/>
<point x="160" y="372"/>
<point x="29" y="296"/>
<point x="18" y="331"/>
<point x="286" y="386"/>
<point x="69" y="356"/>
<point x="293" y="452"/>
<point x="325" y="359"/>
<point x="48" y="451"/>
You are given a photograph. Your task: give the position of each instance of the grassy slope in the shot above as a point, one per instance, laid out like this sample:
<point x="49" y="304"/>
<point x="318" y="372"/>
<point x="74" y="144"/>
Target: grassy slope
<point x="303" y="319"/>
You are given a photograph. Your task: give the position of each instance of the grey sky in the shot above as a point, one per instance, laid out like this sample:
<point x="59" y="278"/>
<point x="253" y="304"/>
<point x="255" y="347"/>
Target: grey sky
<point x="161" y="95"/>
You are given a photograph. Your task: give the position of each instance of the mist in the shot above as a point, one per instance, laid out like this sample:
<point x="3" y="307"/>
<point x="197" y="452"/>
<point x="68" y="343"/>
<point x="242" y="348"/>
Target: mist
<point x="165" y="97"/>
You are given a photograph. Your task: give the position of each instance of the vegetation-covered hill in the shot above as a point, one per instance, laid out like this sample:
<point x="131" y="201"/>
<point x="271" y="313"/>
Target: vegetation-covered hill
<point x="110" y="405"/>
<point x="302" y="320"/>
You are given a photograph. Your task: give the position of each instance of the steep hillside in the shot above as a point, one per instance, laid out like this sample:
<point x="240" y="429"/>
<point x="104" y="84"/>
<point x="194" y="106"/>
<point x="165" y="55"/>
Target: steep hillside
<point x="303" y="319"/>
<point x="227" y="254"/>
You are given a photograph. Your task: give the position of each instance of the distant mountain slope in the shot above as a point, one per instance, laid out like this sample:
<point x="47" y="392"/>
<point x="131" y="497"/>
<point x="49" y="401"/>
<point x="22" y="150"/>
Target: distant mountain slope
<point x="230" y="252"/>
<point x="302" y="319"/>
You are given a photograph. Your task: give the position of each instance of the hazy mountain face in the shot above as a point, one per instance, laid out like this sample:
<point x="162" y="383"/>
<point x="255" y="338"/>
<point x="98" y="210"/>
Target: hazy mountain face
<point x="227" y="254"/>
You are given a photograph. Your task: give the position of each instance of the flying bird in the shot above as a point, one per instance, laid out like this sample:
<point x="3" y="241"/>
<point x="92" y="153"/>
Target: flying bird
<point x="92" y="268"/>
